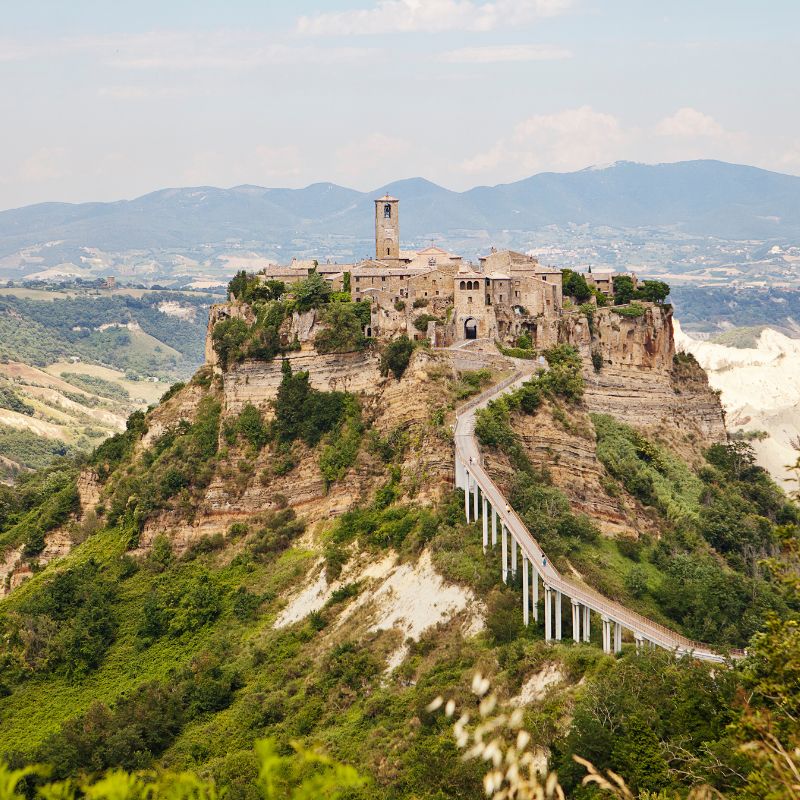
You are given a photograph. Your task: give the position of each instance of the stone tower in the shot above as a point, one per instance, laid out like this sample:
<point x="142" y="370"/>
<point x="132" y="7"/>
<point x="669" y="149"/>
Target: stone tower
<point x="387" y="228"/>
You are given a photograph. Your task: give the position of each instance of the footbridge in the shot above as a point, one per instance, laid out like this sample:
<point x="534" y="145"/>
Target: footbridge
<point x="520" y="551"/>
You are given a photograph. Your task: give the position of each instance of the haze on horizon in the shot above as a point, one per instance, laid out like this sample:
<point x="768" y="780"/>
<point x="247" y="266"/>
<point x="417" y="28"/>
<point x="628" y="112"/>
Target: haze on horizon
<point x="106" y="101"/>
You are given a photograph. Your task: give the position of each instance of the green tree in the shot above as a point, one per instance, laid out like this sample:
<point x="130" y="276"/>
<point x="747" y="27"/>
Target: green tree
<point x="227" y="338"/>
<point x="637" y="755"/>
<point x="396" y="355"/>
<point x="251" y="426"/>
<point x="623" y="289"/>
<point x="653" y="291"/>
<point x="311" y="292"/>
<point x="575" y="285"/>
<point x="238" y="284"/>
<point x="342" y="331"/>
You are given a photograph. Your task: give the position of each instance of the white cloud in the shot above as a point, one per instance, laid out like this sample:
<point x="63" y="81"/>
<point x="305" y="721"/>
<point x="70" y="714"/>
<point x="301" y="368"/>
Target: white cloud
<point x="46" y="164"/>
<point x="428" y="16"/>
<point x="563" y="141"/>
<point x="690" y="123"/>
<point x="184" y="50"/>
<point x="505" y="53"/>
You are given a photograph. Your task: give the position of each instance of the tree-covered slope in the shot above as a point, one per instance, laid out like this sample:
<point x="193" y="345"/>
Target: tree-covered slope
<point x="152" y="646"/>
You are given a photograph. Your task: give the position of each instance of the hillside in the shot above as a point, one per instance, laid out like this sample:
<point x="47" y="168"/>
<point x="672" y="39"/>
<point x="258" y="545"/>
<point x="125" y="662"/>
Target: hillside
<point x="75" y="363"/>
<point x="277" y="550"/>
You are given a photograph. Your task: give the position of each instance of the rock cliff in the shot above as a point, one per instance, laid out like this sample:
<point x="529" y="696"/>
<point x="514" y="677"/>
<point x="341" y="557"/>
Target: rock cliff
<point x="631" y="373"/>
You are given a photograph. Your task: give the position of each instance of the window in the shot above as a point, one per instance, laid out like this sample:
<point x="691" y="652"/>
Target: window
<point x="388" y="252"/>
<point x="469" y="298"/>
<point x="462" y="286"/>
<point x="358" y="279"/>
<point x="516" y="294"/>
<point x="387" y="211"/>
<point x="383" y="279"/>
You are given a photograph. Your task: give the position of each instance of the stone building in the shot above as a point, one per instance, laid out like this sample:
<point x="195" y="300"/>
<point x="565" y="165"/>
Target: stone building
<point x="430" y="293"/>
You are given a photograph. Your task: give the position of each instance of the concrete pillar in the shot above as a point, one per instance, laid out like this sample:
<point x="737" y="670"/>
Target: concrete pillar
<point x="576" y="621"/>
<point x="639" y="642"/>
<point x="494" y="527"/>
<point x="617" y="637"/>
<point x="513" y="557"/>
<point x="535" y="595"/>
<point x="548" y="613"/>
<point x="558" y="616"/>
<point x="525" y="603"/>
<point x="475" y="498"/>
<point x="606" y="635"/>
<point x="504" y="552"/>
<point x="485" y="521"/>
<point x="467" y="489"/>
<point x="587" y="618"/>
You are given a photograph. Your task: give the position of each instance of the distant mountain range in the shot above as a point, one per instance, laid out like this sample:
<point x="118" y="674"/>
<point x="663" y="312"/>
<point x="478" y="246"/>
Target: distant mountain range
<point x="705" y="198"/>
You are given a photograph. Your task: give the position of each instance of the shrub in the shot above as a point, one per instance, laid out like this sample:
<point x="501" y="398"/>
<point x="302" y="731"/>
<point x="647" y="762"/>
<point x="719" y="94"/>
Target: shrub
<point x="575" y="285"/>
<point x="636" y="581"/>
<point x="200" y="604"/>
<point x="302" y="412"/>
<point x="250" y="426"/>
<point x="172" y="391"/>
<point x="421" y="322"/>
<point x="629" y="547"/>
<point x="13" y="402"/>
<point x="342" y="331"/>
<point x="633" y="310"/>
<point x="420" y="302"/>
<point x="227" y="338"/>
<point x="238" y="529"/>
<point x="311" y="292"/>
<point x="396" y="356"/>
<point x="524" y="341"/>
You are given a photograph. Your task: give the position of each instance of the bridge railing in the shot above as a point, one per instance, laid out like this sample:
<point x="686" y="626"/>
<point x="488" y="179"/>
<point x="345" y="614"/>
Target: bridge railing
<point x="636" y="622"/>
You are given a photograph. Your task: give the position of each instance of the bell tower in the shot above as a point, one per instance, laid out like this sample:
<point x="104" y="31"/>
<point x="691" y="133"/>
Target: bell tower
<point x="387" y="228"/>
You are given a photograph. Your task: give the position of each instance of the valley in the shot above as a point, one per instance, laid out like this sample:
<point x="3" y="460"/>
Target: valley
<point x="76" y="362"/>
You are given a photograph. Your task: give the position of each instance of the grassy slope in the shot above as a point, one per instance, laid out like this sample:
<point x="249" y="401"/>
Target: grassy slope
<point x="296" y="684"/>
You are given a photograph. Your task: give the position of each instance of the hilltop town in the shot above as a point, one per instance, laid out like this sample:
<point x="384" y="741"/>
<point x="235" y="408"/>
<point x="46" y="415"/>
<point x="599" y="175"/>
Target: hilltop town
<point x="281" y="539"/>
<point x="439" y="296"/>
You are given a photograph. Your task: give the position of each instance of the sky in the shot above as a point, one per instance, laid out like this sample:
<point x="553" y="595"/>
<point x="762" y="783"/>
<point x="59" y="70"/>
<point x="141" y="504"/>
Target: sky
<point x="103" y="100"/>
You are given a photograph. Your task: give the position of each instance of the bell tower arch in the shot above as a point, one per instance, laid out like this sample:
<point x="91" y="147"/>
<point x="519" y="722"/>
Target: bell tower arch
<point x="387" y="228"/>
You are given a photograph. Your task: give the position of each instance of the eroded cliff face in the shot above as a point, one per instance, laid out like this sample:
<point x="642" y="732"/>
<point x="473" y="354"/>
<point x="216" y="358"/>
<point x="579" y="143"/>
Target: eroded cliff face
<point x="631" y="373"/>
<point x="244" y="486"/>
<point x="559" y="440"/>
